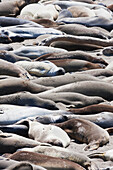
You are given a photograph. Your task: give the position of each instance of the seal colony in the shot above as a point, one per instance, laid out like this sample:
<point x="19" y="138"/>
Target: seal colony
<point x="56" y="84"/>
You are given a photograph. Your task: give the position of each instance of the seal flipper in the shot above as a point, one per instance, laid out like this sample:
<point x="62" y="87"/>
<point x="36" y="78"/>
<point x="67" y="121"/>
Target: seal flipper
<point x="92" y="146"/>
<point x="96" y="155"/>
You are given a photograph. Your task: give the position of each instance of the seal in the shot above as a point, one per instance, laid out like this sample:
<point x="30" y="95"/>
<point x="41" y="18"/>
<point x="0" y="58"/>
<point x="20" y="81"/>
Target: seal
<point x="80" y="55"/>
<point x="106" y="156"/>
<point x="81" y="11"/>
<point x="73" y="99"/>
<point x="59" y="152"/>
<point x="8" y="68"/>
<point x="103" y="119"/>
<point x="82" y="30"/>
<point x="86" y="132"/>
<point x="89" y="88"/>
<point x="10" y="142"/>
<point x="48" y="161"/>
<point x="26" y="98"/>
<point x="13" y="85"/>
<point x="73" y="65"/>
<point x="93" y="109"/>
<point x="37" y="10"/>
<point x="91" y="41"/>
<point x="41" y="68"/>
<point x="95" y="21"/>
<point x="64" y="79"/>
<point x="33" y="52"/>
<point x="9" y="56"/>
<point x="33" y="32"/>
<point x="11" y="164"/>
<point x="8" y="117"/>
<point x="46" y="133"/>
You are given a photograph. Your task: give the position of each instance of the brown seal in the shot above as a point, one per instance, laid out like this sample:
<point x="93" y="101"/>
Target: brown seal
<point x="93" y="109"/>
<point x="45" y="161"/>
<point x="85" y="131"/>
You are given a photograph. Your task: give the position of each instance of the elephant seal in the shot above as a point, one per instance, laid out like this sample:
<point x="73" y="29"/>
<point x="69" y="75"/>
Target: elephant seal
<point x="93" y="109"/>
<point x="81" y="11"/>
<point x="94" y="42"/>
<point x="31" y="32"/>
<point x="80" y="55"/>
<point x="64" y="79"/>
<point x="12" y="21"/>
<point x="46" y="133"/>
<point x="73" y="99"/>
<point x="13" y="85"/>
<point x="91" y="88"/>
<point x="36" y="51"/>
<point x="9" y="117"/>
<point x="103" y="119"/>
<point x="26" y="98"/>
<point x="89" y="22"/>
<point x="21" y="130"/>
<point x="62" y="153"/>
<point x="6" y="163"/>
<point x="82" y="30"/>
<point x="8" y="68"/>
<point x="37" y="10"/>
<point x="99" y="72"/>
<point x="9" y="37"/>
<point x="106" y="156"/>
<point x="10" y="142"/>
<point x="48" y="161"/>
<point x="9" y="56"/>
<point x="85" y="131"/>
<point x="73" y="65"/>
<point x="41" y="68"/>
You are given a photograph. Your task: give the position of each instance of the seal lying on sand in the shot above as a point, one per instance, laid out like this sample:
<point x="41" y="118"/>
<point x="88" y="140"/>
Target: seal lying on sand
<point x="85" y="131"/>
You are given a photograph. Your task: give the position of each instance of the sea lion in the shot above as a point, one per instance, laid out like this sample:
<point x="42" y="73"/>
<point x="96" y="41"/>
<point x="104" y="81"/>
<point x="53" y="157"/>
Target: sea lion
<point x="12" y="113"/>
<point x="46" y="133"/>
<point x="106" y="156"/>
<point x="62" y="153"/>
<point x="85" y="131"/>
<point x="91" y="88"/>
<point x="10" y="142"/>
<point x="27" y="99"/>
<point x="48" y="161"/>
<point x="36" y="51"/>
<point x="41" y="68"/>
<point x="93" y="109"/>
